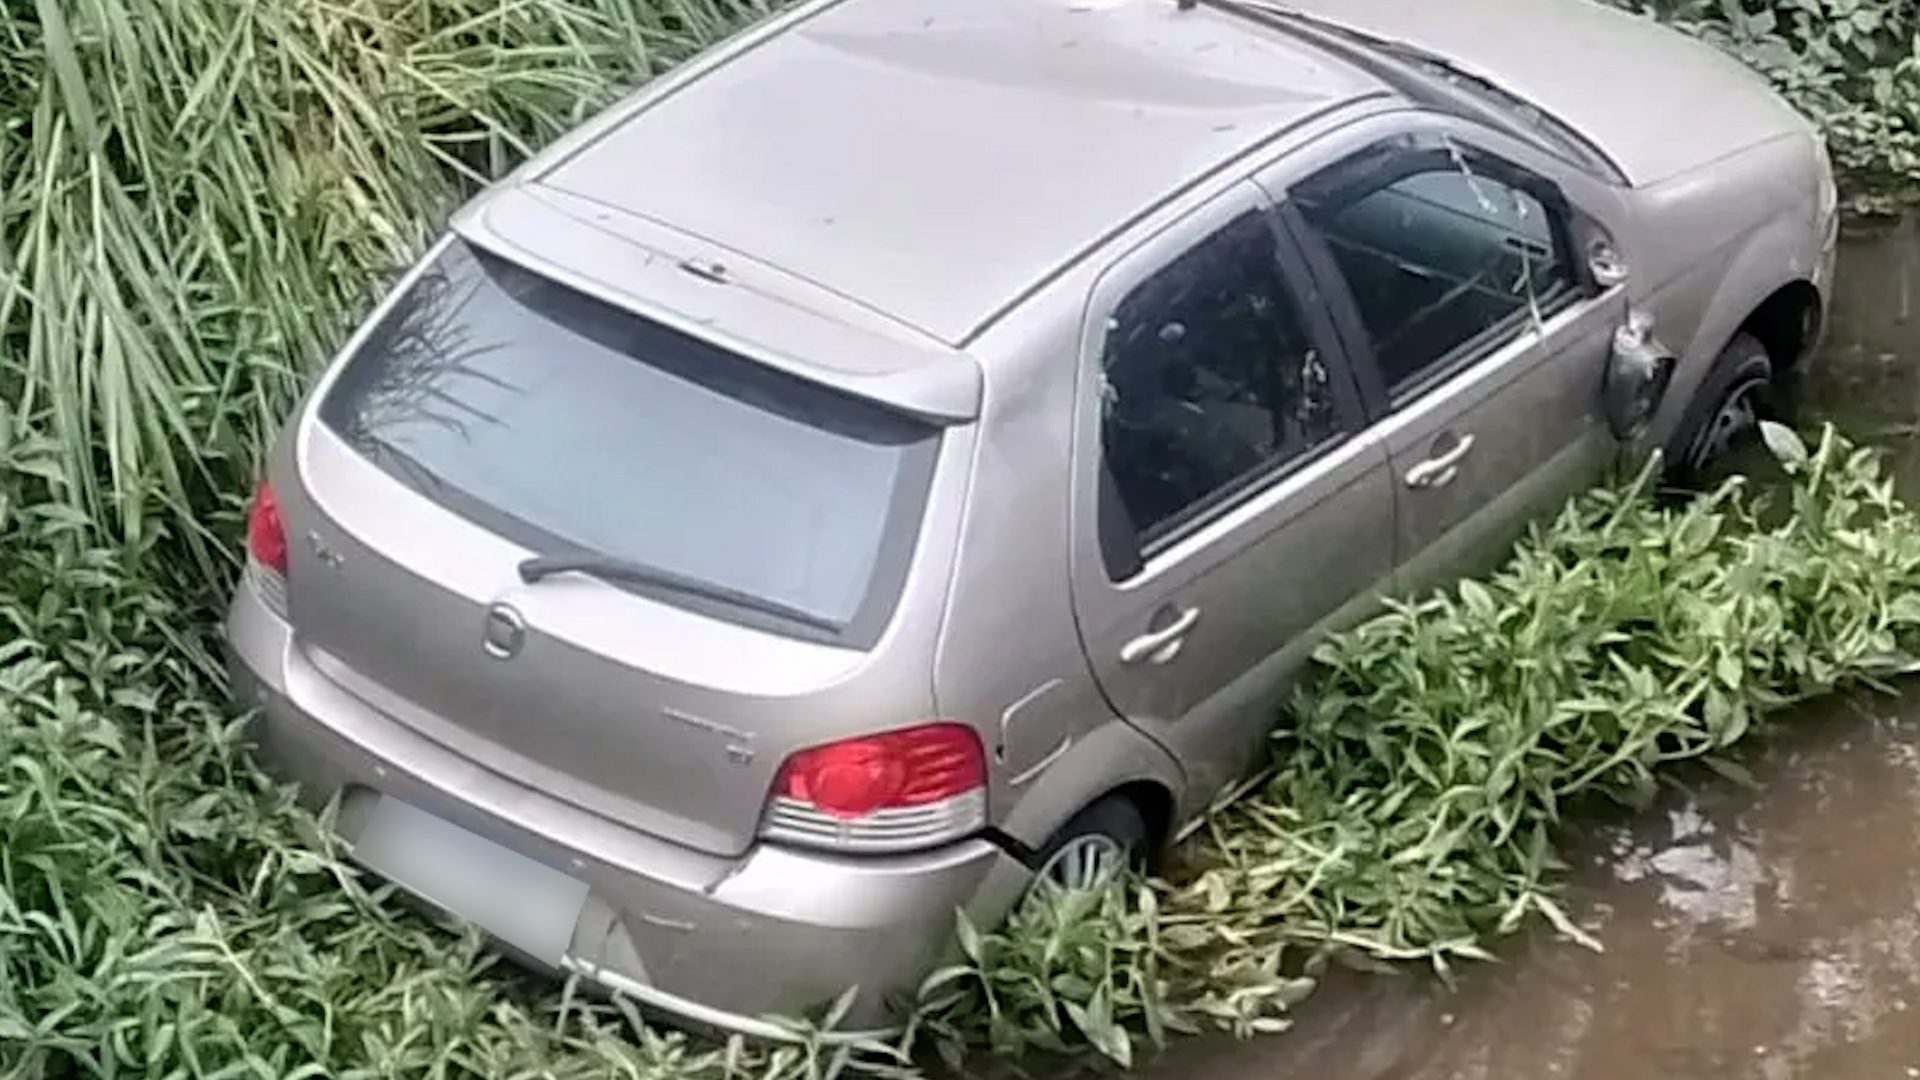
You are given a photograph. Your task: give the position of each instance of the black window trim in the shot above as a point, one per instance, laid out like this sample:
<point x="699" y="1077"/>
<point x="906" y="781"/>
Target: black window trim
<point x="1123" y="550"/>
<point x="1387" y="161"/>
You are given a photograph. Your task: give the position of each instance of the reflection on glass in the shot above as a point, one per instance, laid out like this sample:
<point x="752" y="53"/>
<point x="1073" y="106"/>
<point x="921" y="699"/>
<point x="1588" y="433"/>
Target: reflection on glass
<point x="573" y="426"/>
<point x="1208" y="378"/>
<point x="1438" y="258"/>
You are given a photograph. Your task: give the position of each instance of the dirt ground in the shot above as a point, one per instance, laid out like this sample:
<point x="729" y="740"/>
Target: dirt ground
<point x="1765" y="933"/>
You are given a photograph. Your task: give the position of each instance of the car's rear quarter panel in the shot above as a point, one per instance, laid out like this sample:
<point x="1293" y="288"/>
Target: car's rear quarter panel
<point x="1010" y="655"/>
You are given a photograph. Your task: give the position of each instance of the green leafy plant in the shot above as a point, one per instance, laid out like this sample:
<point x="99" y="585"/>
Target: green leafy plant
<point x="196" y="199"/>
<point x="1089" y="968"/>
<point x="197" y="196"/>
<point x="1851" y="65"/>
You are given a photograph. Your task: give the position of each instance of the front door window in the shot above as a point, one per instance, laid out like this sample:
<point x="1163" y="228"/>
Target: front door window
<point x="1442" y="264"/>
<point x="1482" y="347"/>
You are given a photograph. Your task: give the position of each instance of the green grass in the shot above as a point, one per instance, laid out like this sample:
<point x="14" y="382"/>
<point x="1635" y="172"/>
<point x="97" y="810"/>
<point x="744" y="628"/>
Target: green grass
<point x="1414" y="806"/>
<point x="196" y="199"/>
<point x="196" y="196"/>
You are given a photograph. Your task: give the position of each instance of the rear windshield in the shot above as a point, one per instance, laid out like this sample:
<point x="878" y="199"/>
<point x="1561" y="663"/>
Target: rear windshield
<point x="577" y="428"/>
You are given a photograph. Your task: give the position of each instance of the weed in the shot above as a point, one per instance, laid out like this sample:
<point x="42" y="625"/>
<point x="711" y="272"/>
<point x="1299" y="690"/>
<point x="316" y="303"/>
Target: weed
<point x="1418" y="786"/>
<point x="196" y="199"/>
<point x="198" y="196"/>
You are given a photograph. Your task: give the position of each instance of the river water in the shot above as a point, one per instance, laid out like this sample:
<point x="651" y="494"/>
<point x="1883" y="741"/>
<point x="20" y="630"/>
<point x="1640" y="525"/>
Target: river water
<point x="1766" y="933"/>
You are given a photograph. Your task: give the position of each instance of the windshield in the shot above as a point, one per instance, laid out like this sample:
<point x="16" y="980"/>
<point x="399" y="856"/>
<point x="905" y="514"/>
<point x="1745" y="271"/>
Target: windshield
<point x="573" y="427"/>
<point x="1563" y="137"/>
<point x="1535" y="119"/>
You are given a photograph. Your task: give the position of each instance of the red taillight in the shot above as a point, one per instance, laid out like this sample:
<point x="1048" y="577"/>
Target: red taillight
<point x="912" y="767"/>
<point x="266" y="534"/>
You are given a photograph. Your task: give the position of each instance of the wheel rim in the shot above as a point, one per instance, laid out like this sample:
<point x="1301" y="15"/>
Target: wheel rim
<point x="1738" y="414"/>
<point x="1084" y="862"/>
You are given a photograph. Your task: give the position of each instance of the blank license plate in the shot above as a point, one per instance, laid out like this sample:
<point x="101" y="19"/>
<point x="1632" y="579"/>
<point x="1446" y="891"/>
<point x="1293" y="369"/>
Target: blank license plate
<point x="524" y="903"/>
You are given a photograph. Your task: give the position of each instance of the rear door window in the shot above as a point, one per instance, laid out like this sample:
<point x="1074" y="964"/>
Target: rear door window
<point x="1210" y="381"/>
<point x="571" y="426"/>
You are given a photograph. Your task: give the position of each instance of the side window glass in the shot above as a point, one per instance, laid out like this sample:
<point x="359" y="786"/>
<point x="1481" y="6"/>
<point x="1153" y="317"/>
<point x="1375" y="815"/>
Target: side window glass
<point x="1209" y="378"/>
<point x="1439" y="259"/>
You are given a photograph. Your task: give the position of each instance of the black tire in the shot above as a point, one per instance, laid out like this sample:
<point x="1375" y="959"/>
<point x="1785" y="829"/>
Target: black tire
<point x="1114" y="819"/>
<point x="1742" y="380"/>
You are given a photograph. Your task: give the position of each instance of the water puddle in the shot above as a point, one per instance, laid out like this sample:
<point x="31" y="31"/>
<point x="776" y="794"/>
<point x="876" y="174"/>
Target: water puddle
<point x="1771" y="933"/>
<point x="1766" y="933"/>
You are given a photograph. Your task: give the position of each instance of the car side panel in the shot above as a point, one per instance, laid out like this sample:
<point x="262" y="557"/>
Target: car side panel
<point x="1532" y="410"/>
<point x="1009" y="656"/>
<point x="1310" y="554"/>
<point x="1724" y="296"/>
<point x="1262" y="580"/>
<point x="1059" y="748"/>
<point x="1531" y="407"/>
<point x="1104" y="757"/>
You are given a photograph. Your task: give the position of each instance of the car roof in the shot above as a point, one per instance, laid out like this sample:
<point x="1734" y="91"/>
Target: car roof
<point x="934" y="161"/>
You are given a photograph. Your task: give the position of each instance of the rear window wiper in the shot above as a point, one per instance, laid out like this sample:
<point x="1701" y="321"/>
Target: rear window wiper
<point x="614" y="568"/>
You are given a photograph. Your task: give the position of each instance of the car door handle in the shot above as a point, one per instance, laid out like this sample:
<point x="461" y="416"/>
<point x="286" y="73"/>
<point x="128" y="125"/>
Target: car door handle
<point x="1439" y="470"/>
<point x="1162" y="645"/>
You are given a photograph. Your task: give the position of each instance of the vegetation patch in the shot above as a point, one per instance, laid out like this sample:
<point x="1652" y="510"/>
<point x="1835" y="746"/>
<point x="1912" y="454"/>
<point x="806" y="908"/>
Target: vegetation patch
<point x="198" y="196"/>
<point x="1851" y="65"/>
<point x="1419" y="784"/>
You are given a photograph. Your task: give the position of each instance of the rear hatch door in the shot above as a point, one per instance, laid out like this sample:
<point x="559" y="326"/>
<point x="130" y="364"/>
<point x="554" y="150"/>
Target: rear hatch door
<point x="489" y="415"/>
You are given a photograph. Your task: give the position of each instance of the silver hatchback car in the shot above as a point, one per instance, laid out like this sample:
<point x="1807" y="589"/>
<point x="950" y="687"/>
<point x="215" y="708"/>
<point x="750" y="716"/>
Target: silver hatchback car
<point x="910" y="449"/>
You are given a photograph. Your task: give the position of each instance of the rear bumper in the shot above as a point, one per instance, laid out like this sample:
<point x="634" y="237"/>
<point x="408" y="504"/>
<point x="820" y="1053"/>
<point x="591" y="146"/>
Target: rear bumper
<point x="716" y="941"/>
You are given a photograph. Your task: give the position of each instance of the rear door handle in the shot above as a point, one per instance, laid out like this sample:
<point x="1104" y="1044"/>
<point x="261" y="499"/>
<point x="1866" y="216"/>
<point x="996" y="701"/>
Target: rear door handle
<point x="1162" y="645"/>
<point x="1439" y="470"/>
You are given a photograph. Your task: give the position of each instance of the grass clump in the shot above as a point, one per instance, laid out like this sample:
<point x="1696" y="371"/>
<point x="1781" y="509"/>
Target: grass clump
<point x="1088" y="969"/>
<point x="197" y="196"/>
<point x="1420" y="785"/>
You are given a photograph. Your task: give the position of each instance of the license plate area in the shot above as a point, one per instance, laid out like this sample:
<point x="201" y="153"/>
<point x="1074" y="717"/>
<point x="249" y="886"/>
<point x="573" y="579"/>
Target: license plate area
<point x="521" y="901"/>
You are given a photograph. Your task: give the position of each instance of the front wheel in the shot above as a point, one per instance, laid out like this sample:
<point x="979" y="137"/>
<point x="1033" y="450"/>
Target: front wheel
<point x="1738" y="393"/>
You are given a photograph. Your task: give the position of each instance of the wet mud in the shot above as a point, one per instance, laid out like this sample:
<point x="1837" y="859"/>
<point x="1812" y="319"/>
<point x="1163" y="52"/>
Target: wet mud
<point x="1766" y="932"/>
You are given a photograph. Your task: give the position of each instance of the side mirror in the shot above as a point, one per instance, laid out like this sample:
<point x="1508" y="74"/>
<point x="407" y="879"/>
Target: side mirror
<point x="1604" y="264"/>
<point x="1639" y="370"/>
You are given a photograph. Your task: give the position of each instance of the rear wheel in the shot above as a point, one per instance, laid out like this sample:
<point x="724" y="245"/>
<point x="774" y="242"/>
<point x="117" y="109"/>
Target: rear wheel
<point x="1108" y="835"/>
<point x="1726" y="412"/>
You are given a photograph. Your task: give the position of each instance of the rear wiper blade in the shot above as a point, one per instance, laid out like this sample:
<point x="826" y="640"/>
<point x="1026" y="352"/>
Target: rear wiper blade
<point x="614" y="568"/>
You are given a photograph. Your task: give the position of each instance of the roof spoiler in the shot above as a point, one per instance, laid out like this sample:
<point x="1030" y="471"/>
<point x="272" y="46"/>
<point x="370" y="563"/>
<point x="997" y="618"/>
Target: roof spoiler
<point x="660" y="274"/>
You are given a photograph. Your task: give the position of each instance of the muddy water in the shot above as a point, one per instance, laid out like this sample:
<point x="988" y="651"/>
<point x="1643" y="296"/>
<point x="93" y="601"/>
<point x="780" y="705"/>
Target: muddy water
<point x="1766" y="933"/>
<point x="1868" y="379"/>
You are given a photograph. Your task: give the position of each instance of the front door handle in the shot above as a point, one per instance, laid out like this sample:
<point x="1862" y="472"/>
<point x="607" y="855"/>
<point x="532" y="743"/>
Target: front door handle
<point x="1439" y="470"/>
<point x="1162" y="645"/>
